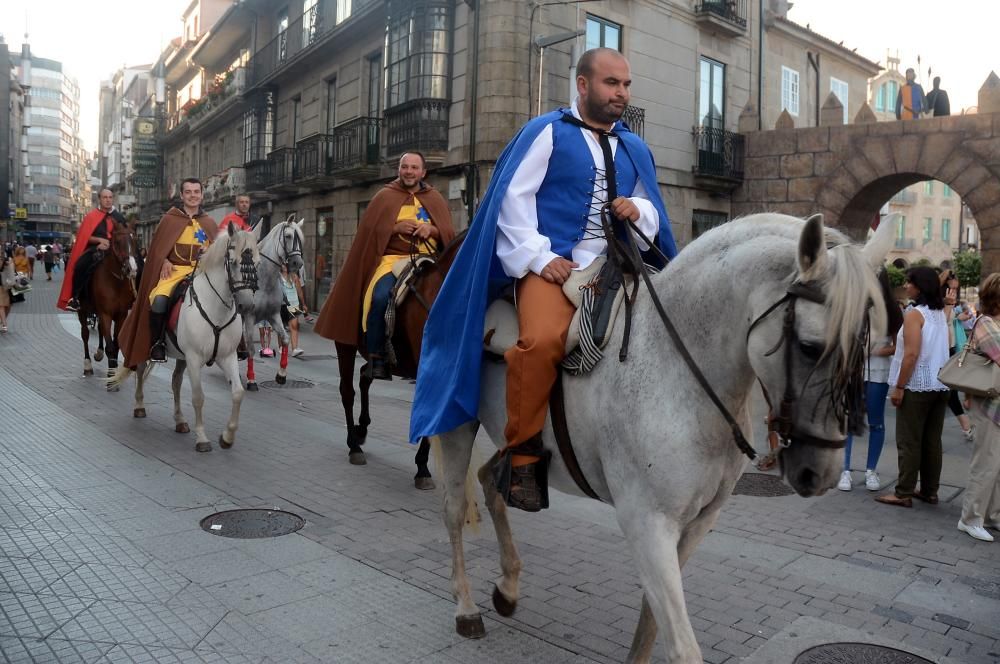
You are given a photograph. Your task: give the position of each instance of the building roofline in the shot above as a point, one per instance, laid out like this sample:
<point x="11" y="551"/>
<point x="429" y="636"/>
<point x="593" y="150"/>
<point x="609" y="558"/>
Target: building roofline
<point x="811" y="35"/>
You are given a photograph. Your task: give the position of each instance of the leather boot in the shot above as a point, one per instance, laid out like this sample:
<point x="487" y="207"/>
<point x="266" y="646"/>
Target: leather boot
<point x="157" y="328"/>
<point x="377" y="368"/>
<point x="525" y="487"/>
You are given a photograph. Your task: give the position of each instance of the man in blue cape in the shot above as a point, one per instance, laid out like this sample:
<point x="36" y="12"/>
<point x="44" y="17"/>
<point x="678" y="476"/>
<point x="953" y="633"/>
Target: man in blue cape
<point x="538" y="221"/>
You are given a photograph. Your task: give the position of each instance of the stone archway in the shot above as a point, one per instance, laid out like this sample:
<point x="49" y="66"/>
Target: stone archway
<point x="848" y="172"/>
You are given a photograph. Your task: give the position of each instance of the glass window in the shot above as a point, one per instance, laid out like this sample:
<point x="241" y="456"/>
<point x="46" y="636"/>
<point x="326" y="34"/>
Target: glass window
<point x="295" y="120"/>
<point x="790" y="90"/>
<point x="374" y="85"/>
<point x="901" y="227"/>
<point x="840" y="89"/>
<point x="946" y="191"/>
<point x="880" y="98"/>
<point x="419" y="51"/>
<point x="282" y="33"/>
<point x="602" y="32"/>
<point x="343" y="10"/>
<point x="929" y="188"/>
<point x="946" y="230"/>
<point x="331" y="103"/>
<point x="309" y="20"/>
<point x="712" y="94"/>
<point x="703" y="220"/>
<point x="928" y="229"/>
<point x="892" y="91"/>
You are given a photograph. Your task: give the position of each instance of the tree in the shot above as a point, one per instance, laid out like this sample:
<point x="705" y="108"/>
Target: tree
<point x="897" y="277"/>
<point x="968" y="267"/>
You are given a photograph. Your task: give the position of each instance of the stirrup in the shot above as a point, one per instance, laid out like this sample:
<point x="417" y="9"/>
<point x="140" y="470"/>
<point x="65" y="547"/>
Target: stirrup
<point x="158" y="353"/>
<point x="523" y="487"/>
<point x="73" y="304"/>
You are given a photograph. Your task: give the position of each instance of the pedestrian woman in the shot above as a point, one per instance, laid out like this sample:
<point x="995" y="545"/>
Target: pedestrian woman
<point x="6" y="283"/>
<point x="21" y="263"/>
<point x="49" y="259"/>
<point x="957" y="339"/>
<point x="292" y="306"/>
<point x="883" y="347"/>
<point x="981" y="507"/>
<point x="921" y="399"/>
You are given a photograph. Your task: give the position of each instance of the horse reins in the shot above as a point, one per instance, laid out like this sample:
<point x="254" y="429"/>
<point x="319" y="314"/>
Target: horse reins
<point x="249" y="282"/>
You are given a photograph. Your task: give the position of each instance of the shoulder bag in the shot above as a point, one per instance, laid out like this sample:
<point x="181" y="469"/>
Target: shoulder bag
<point x="972" y="372"/>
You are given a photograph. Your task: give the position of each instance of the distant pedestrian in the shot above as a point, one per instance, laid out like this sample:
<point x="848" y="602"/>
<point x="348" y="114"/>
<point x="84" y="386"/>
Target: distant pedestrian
<point x="21" y="262"/>
<point x="956" y="342"/>
<point x="31" y="251"/>
<point x="292" y="306"/>
<point x="921" y="399"/>
<point x="937" y="100"/>
<point x="981" y="506"/>
<point x="48" y="258"/>
<point x="57" y="254"/>
<point x="6" y="283"/>
<point x="910" y="102"/>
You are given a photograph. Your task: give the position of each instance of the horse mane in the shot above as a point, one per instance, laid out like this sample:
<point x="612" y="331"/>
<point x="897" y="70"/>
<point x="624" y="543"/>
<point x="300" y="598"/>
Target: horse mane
<point x="215" y="254"/>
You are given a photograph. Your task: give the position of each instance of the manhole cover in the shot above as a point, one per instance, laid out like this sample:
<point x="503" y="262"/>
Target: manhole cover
<point x="853" y="653"/>
<point x="251" y="524"/>
<point x="761" y="484"/>
<point x="310" y="358"/>
<point x="289" y="384"/>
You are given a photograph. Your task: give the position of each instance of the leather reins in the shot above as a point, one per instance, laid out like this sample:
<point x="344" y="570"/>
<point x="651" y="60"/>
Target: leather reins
<point x="248" y="273"/>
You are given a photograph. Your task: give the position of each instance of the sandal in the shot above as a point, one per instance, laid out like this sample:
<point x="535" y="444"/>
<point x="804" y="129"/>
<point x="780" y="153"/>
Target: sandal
<point x="893" y="499"/>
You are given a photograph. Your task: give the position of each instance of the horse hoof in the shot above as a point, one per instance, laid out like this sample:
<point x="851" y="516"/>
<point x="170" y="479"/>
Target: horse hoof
<point x="99" y="355"/>
<point x="279" y="379"/>
<point x="182" y="427"/>
<point x="423" y="483"/>
<point x="357" y="458"/>
<point x="252" y="387"/>
<point x="203" y="447"/>
<point x="223" y="444"/>
<point x="139" y="412"/>
<point x="88" y="372"/>
<point x="113" y="388"/>
<point x="504" y="606"/>
<point x="471" y="627"/>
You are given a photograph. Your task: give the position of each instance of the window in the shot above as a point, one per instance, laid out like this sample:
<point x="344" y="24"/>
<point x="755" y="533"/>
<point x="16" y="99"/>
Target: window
<point x="946" y="192"/>
<point x="374" y="85"/>
<point x="928" y="229"/>
<point x="343" y="11"/>
<point x="901" y="227"/>
<point x="601" y="32"/>
<point x="703" y="220"/>
<point x="880" y="98"/>
<point x="309" y="20"/>
<point x="282" y="33"/>
<point x="712" y="94"/>
<point x="790" y="90"/>
<point x="419" y="50"/>
<point x="929" y="188"/>
<point x="840" y="89"/>
<point x="296" y="102"/>
<point x="946" y="230"/>
<point x="331" y="103"/>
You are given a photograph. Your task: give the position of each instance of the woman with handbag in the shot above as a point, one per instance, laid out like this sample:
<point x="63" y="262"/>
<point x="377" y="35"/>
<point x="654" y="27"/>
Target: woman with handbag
<point x="921" y="399"/>
<point x="981" y="507"/>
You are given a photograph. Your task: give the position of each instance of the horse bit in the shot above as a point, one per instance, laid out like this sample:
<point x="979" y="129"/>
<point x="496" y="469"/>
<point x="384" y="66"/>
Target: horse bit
<point x="247" y="281"/>
<point x="295" y="251"/>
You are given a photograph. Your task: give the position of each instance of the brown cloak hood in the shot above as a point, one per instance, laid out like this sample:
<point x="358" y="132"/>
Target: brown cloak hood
<point x="135" y="338"/>
<point x="340" y="318"/>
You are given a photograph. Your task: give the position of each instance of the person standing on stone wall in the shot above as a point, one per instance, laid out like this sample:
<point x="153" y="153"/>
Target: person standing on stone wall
<point x="910" y="102"/>
<point x="937" y="100"/>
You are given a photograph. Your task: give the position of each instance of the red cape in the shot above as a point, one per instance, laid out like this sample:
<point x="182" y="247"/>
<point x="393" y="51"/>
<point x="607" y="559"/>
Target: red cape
<point x="87" y="227"/>
<point x="233" y="218"/>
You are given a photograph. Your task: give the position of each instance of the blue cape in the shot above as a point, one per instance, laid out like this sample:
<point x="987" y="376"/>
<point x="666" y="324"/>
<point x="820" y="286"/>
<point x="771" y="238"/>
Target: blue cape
<point x="447" y="393"/>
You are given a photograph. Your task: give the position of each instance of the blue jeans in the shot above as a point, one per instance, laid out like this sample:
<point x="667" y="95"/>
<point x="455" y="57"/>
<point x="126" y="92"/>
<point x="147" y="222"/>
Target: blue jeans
<point x="375" y="335"/>
<point x="875" y="394"/>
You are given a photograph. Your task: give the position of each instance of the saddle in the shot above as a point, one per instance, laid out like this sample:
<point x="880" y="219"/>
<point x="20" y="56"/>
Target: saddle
<point x="597" y="292"/>
<point x="174" y="307"/>
<point x="406" y="270"/>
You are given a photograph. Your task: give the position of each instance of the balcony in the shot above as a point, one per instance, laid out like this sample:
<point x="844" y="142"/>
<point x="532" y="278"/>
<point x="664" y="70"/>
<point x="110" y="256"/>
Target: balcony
<point x="356" y="148"/>
<point x="297" y="37"/>
<point x="720" y="156"/>
<point x="281" y="169"/>
<point x="258" y="175"/>
<point x="224" y="93"/>
<point x="418" y="124"/>
<point x="905" y="243"/>
<point x="222" y="187"/>
<point x="904" y="197"/>
<point x="635" y="118"/>
<point x="726" y="16"/>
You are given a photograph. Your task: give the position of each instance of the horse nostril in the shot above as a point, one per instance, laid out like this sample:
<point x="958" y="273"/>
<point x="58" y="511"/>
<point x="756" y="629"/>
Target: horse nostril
<point x="808" y="480"/>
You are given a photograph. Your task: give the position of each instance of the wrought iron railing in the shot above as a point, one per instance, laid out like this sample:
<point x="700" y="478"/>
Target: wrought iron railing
<point x="258" y="174"/>
<point x="734" y="11"/>
<point x="720" y="153"/>
<point x="298" y="36"/>
<point x="311" y="157"/>
<point x="220" y="93"/>
<point x="635" y="118"/>
<point x="356" y="144"/>
<point x="281" y="166"/>
<point x="904" y="197"/>
<point x="905" y="243"/>
<point x="418" y="124"/>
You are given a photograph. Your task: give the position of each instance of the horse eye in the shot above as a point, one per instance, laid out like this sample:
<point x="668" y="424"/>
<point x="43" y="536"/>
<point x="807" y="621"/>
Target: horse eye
<point x="811" y="350"/>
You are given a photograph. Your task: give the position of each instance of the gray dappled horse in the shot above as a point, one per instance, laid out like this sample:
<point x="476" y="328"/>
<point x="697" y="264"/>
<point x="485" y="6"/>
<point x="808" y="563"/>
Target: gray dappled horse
<point x="648" y="439"/>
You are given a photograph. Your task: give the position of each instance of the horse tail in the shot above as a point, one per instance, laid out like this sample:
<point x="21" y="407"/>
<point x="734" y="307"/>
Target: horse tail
<point x="118" y="378"/>
<point x="472" y="517"/>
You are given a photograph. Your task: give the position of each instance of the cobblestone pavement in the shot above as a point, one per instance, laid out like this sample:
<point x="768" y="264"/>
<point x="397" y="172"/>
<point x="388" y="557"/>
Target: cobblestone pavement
<point x="102" y="559"/>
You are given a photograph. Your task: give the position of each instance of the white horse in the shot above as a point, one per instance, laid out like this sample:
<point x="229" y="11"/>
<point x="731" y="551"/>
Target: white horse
<point x="647" y="437"/>
<point x="209" y="330"/>
<point x="282" y="246"/>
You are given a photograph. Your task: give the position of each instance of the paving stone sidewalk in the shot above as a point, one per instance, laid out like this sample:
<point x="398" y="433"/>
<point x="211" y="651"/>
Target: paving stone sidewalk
<point x="102" y="559"/>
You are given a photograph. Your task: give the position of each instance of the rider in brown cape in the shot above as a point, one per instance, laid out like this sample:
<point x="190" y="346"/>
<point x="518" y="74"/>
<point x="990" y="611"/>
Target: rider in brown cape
<point x="136" y="337"/>
<point x="340" y="319"/>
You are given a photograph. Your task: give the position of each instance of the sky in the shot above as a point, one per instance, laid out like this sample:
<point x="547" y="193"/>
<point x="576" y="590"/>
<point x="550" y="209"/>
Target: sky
<point x="955" y="38"/>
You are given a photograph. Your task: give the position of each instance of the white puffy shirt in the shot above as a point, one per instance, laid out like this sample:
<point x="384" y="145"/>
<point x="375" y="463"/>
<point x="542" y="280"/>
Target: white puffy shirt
<point x="933" y="353"/>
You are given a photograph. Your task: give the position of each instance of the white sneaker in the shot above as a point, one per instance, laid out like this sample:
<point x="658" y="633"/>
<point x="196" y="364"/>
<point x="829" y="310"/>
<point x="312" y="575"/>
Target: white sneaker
<point x="977" y="532"/>
<point x="872" y="482"/>
<point x="845" y="482"/>
<point x="297" y="352"/>
<point x="971" y="433"/>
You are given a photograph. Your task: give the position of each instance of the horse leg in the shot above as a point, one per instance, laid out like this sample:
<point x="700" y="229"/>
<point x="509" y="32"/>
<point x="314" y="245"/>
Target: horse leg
<point x="180" y="425"/>
<point x="345" y="362"/>
<point x="202" y="443"/>
<point x="104" y="332"/>
<point x="139" y="409"/>
<point x="422" y="480"/>
<point x="364" y="418"/>
<point x="454" y="469"/>
<point x="279" y="327"/>
<point x="505" y="590"/>
<point x="248" y="337"/>
<point x="88" y="368"/>
<point x="231" y="367"/>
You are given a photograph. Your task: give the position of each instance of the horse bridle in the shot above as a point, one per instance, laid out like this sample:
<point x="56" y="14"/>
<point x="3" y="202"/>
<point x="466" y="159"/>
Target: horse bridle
<point x="248" y="281"/>
<point x="296" y="249"/>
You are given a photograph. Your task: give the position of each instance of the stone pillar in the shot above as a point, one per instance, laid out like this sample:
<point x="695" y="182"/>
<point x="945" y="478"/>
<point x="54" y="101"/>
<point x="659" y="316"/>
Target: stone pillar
<point x="865" y="115"/>
<point x="832" y="112"/>
<point x="989" y="94"/>
<point x="749" y="119"/>
<point x="784" y="121"/>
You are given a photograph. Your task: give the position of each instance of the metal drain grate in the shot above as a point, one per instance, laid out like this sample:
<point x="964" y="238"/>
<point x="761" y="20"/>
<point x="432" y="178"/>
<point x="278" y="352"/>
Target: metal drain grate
<point x="857" y="653"/>
<point x="252" y="523"/>
<point x="289" y="384"/>
<point x="761" y="484"/>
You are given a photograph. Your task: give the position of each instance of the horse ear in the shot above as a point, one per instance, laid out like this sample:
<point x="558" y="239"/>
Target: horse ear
<point x="812" y="249"/>
<point x="232" y="229"/>
<point x="301" y="223"/>
<point x="258" y="229"/>
<point x="878" y="246"/>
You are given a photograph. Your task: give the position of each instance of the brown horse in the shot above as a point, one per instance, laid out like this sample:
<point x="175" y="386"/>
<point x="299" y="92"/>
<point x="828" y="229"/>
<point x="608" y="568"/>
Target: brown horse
<point x="108" y="296"/>
<point x="411" y="316"/>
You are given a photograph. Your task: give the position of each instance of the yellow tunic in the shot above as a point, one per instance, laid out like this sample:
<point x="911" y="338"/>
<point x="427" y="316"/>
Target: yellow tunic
<point x="184" y="258"/>
<point x="418" y="214"/>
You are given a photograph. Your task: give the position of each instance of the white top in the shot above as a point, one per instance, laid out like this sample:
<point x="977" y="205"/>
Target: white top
<point x="520" y="247"/>
<point x="933" y="353"/>
<point x="877" y="367"/>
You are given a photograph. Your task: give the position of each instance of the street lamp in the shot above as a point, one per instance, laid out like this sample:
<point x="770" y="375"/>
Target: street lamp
<point x="543" y="42"/>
